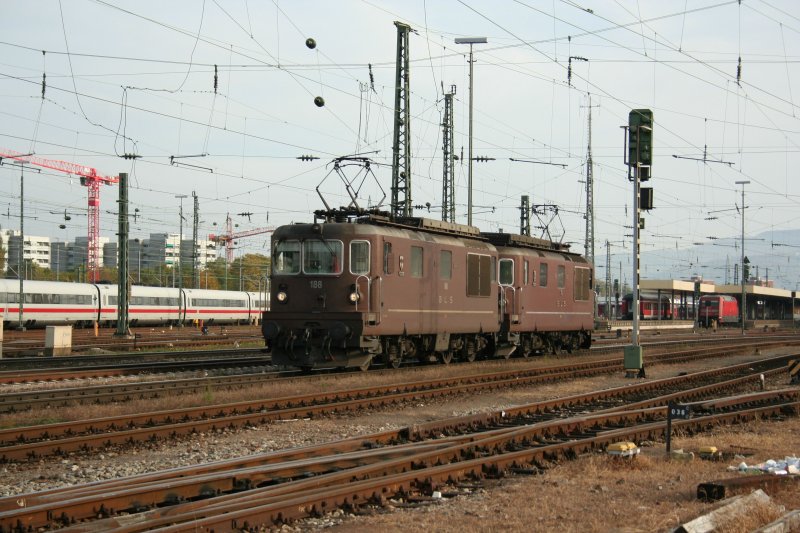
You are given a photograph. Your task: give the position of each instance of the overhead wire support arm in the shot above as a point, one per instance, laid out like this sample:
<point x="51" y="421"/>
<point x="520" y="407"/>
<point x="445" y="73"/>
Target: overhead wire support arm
<point x="703" y="159"/>
<point x="173" y="162"/>
<point x="537" y="162"/>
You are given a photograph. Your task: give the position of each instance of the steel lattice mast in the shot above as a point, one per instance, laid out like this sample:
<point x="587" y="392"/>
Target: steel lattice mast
<point x="90" y="179"/>
<point x="448" y="165"/>
<point x="401" y="148"/>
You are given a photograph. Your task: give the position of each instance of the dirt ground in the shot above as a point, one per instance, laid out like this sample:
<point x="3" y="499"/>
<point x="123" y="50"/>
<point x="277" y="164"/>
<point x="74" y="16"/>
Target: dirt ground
<point x="592" y="493"/>
<point x="597" y="493"/>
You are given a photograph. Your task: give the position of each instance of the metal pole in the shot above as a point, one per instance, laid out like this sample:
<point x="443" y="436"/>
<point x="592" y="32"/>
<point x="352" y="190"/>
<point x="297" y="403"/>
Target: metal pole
<point x="469" y="158"/>
<point x="470" y="41"/>
<point x="744" y="295"/>
<point x="635" y="299"/>
<point x="122" y="280"/>
<point x="180" y="241"/>
<point x="21" y="254"/>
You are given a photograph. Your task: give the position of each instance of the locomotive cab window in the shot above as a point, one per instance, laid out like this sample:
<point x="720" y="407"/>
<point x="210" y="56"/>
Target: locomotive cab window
<point x="322" y="256"/>
<point x="287" y="257"/>
<point x="543" y="275"/>
<point x="506" y="272"/>
<point x="359" y="257"/>
<point x="561" y="275"/>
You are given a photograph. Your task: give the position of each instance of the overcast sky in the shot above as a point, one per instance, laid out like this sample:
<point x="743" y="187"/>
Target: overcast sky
<point x="227" y="88"/>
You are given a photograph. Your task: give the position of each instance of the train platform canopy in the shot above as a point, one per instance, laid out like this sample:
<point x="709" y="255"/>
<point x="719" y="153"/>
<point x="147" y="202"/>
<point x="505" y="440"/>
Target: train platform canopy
<point x="756" y="290"/>
<point x="711" y="288"/>
<point x="675" y="285"/>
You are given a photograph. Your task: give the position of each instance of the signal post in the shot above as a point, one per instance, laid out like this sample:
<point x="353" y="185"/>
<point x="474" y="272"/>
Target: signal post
<point x="639" y="161"/>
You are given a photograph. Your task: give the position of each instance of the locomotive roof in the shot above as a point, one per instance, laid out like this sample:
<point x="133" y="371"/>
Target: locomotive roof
<point x="381" y="218"/>
<point x="524" y="241"/>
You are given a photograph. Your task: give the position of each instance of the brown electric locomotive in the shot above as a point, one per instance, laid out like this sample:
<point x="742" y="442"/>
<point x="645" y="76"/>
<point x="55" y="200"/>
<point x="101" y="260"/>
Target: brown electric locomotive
<point x="358" y="287"/>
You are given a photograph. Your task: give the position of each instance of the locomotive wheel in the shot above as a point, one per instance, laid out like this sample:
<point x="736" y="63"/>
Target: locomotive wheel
<point x="526" y="348"/>
<point x="393" y="356"/>
<point x="469" y="351"/>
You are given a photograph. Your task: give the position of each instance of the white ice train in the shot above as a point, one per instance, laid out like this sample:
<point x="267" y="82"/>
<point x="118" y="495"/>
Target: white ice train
<point x="83" y="304"/>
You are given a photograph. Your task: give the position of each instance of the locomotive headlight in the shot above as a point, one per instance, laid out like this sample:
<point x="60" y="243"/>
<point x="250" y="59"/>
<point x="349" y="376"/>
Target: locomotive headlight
<point x="353" y="296"/>
<point x="282" y="297"/>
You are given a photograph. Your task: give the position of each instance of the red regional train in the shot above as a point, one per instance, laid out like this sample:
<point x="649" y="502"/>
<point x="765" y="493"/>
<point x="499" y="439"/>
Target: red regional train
<point x="356" y="287"/>
<point x="720" y="309"/>
<point x="650" y="308"/>
<point x="83" y="304"/>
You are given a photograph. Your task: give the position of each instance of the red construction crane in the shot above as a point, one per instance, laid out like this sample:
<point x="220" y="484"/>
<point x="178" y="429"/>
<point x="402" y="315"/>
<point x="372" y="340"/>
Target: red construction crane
<point x="228" y="237"/>
<point x="90" y="179"/>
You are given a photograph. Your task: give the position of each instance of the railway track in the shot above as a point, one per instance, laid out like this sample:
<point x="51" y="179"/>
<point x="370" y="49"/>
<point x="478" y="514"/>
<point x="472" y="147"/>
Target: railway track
<point x="27" y="443"/>
<point x="99" y="394"/>
<point x="18" y="371"/>
<point x="183" y="361"/>
<point x="32" y="342"/>
<point x="249" y="492"/>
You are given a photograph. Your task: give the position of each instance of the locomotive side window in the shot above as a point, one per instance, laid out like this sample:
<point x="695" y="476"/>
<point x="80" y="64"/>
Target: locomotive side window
<point x="388" y="257"/>
<point x="287" y="257"/>
<point x="506" y="272"/>
<point x="561" y="275"/>
<point x="543" y="275"/>
<point x="416" y="261"/>
<point x="445" y="264"/>
<point x="359" y="257"/>
<point x="525" y="274"/>
<point x="583" y="283"/>
<point x="479" y="275"/>
<point x="322" y="256"/>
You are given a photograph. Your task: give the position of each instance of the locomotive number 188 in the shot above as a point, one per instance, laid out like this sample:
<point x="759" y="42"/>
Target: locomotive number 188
<point x="315" y="283"/>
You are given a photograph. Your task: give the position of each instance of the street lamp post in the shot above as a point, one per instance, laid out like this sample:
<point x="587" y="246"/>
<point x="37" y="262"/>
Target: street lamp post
<point x="470" y="41"/>
<point x="744" y="295"/>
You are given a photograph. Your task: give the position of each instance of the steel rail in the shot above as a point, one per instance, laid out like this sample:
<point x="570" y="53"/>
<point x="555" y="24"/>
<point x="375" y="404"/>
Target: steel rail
<point x="486" y="455"/>
<point x="35" y="441"/>
<point x="20" y="401"/>
<point x="103" y="488"/>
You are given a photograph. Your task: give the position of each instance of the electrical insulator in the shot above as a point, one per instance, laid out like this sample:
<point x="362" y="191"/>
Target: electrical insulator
<point x="319" y="101"/>
<point x="311" y="43"/>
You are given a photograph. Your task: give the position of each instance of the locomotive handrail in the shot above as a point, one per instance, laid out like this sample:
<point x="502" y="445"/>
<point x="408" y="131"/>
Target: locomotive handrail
<point x="380" y="299"/>
<point x="369" y="292"/>
<point x="503" y="289"/>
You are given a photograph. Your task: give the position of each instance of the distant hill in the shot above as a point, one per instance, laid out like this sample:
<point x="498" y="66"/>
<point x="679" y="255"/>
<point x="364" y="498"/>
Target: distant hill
<point x="773" y="255"/>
